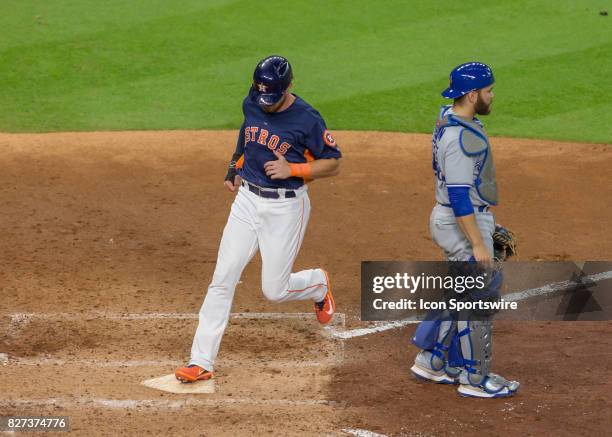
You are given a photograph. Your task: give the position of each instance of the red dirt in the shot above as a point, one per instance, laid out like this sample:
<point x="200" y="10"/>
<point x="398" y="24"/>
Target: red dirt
<point x="131" y="221"/>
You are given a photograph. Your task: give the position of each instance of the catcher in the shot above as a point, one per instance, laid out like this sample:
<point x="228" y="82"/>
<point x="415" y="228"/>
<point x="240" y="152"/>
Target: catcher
<point x="456" y="348"/>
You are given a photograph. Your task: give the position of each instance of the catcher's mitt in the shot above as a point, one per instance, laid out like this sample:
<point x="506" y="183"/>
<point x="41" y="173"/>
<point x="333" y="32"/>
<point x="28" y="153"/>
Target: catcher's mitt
<point x="504" y="243"/>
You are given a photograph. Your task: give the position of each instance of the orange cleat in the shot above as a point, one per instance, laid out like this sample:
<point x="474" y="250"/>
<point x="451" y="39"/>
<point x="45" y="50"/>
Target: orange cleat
<point x="326" y="308"/>
<point x="193" y="373"/>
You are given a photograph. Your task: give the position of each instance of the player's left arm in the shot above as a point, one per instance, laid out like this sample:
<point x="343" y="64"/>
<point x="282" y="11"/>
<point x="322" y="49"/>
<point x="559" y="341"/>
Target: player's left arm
<point x="324" y="168"/>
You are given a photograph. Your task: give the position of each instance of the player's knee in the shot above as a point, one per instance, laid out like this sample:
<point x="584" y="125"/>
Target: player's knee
<point x="274" y="291"/>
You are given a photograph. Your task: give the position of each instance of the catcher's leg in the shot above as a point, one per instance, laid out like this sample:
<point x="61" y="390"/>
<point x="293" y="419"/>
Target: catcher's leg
<point x="476" y="337"/>
<point x="434" y="336"/>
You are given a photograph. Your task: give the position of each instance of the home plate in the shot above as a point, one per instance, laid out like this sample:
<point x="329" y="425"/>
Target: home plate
<point x="170" y="384"/>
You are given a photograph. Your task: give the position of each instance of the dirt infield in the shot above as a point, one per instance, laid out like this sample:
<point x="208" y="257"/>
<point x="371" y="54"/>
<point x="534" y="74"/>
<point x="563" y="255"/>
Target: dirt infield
<point x="109" y="241"/>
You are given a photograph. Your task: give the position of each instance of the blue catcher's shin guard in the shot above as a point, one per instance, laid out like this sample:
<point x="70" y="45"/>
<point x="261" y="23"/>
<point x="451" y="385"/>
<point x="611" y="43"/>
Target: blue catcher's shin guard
<point x="476" y="379"/>
<point x="434" y="336"/>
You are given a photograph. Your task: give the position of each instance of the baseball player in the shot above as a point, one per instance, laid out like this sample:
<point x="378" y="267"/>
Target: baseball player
<point x="458" y="350"/>
<point x="283" y="143"/>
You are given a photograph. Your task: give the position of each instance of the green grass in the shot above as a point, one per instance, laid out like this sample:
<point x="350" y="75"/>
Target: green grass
<point x="186" y="64"/>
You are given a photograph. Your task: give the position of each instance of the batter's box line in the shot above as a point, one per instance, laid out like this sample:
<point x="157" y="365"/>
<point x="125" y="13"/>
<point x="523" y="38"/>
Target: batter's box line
<point x="361" y="432"/>
<point x="339" y="318"/>
<point x="159" y="404"/>
<point x="153" y="363"/>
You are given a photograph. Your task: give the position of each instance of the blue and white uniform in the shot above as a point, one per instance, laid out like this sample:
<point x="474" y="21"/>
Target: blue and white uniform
<point x="458" y="350"/>
<point x="464" y="171"/>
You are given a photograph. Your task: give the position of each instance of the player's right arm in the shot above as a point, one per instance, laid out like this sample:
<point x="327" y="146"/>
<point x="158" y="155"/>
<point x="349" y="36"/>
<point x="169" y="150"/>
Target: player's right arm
<point x="470" y="229"/>
<point x="232" y="179"/>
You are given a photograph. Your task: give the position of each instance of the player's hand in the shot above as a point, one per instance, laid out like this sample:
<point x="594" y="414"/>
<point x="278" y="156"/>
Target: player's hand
<point x="233" y="187"/>
<point x="278" y="169"/>
<point x="482" y="255"/>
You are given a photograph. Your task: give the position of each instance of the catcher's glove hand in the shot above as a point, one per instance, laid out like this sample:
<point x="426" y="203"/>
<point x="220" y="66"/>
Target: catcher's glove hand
<point x="504" y="243"/>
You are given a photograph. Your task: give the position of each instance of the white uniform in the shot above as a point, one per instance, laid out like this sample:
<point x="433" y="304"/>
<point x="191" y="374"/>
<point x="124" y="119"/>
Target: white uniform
<point x="274" y="226"/>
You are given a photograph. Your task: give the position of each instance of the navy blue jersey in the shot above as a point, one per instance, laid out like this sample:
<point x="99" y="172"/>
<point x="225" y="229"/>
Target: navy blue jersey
<point x="299" y="133"/>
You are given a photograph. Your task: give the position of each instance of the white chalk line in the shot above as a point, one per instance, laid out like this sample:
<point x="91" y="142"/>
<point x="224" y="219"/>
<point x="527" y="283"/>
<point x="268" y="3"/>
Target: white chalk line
<point x="554" y="287"/>
<point x="362" y="432"/>
<point x="36" y="361"/>
<point x="21" y="318"/>
<point x="339" y="318"/>
<point x="378" y="327"/>
<point x="158" y="404"/>
<point x="512" y="297"/>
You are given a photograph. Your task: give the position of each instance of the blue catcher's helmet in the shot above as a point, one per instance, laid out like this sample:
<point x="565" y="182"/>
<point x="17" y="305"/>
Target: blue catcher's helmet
<point x="468" y="77"/>
<point x="271" y="78"/>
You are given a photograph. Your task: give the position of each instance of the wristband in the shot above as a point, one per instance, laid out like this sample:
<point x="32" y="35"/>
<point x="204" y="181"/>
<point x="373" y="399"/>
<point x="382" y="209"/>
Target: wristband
<point x="301" y="170"/>
<point x="231" y="174"/>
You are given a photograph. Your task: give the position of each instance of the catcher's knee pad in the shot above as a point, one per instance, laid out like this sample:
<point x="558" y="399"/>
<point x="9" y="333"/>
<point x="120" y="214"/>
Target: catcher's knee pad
<point x="488" y="283"/>
<point x="436" y="327"/>
<point x="490" y="292"/>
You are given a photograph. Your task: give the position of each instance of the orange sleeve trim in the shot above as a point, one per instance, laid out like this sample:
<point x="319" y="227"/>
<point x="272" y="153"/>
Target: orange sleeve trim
<point x="240" y="162"/>
<point x="301" y="170"/>
<point x="308" y="156"/>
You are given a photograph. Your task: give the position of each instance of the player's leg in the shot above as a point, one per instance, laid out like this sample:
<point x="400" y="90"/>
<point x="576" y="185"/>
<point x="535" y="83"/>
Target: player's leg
<point x="476" y="336"/>
<point x="437" y="336"/>
<point x="238" y="245"/>
<point x="434" y="336"/>
<point x="280" y="236"/>
<point x="474" y="339"/>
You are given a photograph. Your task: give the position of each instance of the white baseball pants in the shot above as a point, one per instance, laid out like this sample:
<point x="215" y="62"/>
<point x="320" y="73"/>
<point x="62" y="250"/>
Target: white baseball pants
<point x="274" y="226"/>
